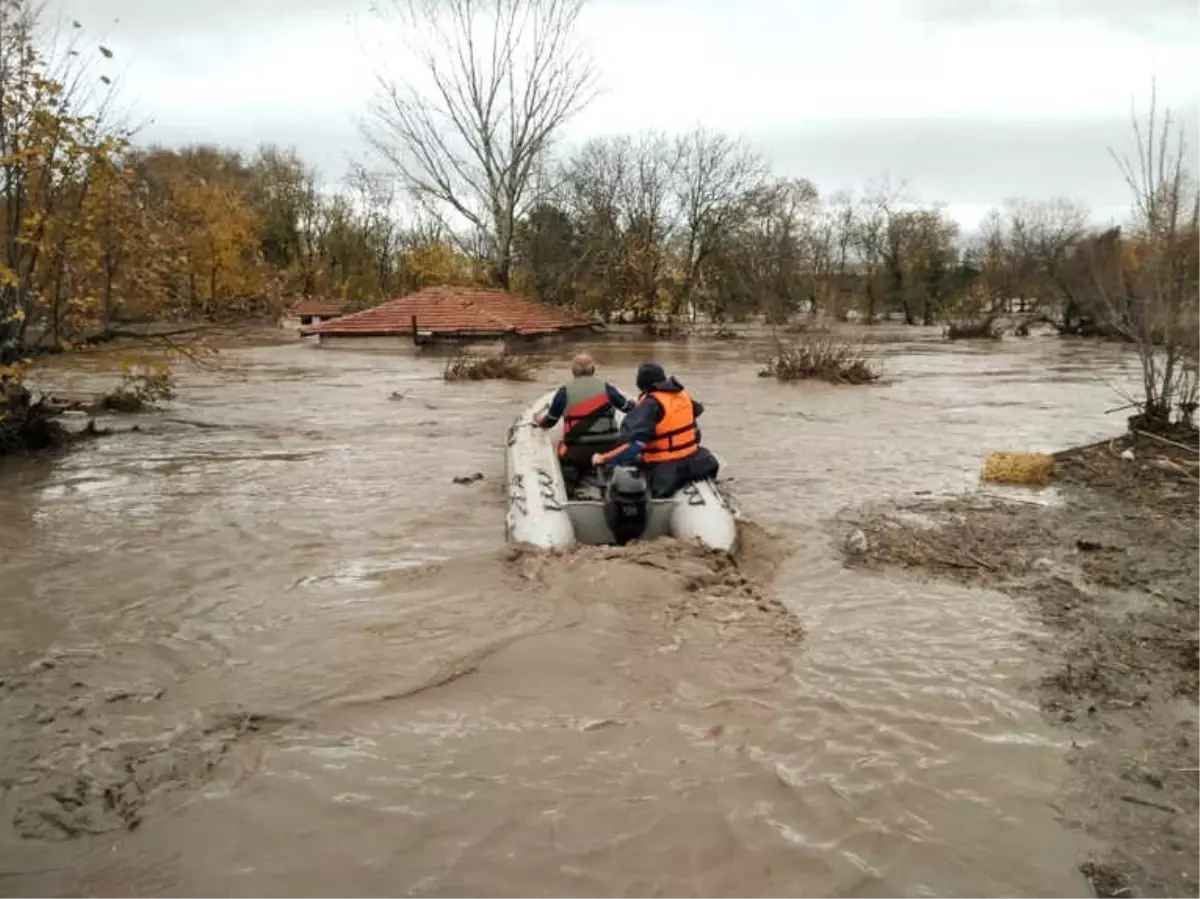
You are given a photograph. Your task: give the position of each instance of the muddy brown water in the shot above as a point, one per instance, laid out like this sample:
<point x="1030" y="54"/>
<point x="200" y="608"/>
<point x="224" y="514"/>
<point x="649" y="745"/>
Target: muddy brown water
<point x="271" y="632"/>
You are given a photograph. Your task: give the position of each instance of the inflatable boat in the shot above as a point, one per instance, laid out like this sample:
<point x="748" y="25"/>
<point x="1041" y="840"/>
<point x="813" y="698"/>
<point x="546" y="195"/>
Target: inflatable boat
<point x="612" y="507"/>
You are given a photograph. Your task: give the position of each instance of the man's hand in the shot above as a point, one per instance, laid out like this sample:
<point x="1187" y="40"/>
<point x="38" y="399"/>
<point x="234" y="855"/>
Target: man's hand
<point x="538" y="418"/>
<point x="597" y="460"/>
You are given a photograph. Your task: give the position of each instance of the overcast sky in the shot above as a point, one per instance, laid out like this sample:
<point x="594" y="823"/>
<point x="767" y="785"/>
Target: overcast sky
<point x="968" y="101"/>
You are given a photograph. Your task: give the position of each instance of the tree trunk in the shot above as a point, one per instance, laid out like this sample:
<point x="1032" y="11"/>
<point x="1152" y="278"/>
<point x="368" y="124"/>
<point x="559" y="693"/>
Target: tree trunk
<point x="110" y="276"/>
<point x="502" y="272"/>
<point x="10" y="337"/>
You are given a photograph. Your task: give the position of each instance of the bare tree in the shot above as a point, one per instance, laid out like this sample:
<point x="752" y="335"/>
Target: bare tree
<point x="832" y="247"/>
<point x="594" y="181"/>
<point x="918" y="248"/>
<point x="717" y="174"/>
<point x="932" y="269"/>
<point x="1041" y="236"/>
<point x="1162" y="272"/>
<point x="777" y="245"/>
<point x="870" y="242"/>
<point x="501" y="77"/>
<point x="651" y="218"/>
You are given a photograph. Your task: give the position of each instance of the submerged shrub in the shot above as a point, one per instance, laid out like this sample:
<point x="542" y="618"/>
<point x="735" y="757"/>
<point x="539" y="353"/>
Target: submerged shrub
<point x="144" y="384"/>
<point x="973" y="330"/>
<point x="504" y="367"/>
<point x="823" y="360"/>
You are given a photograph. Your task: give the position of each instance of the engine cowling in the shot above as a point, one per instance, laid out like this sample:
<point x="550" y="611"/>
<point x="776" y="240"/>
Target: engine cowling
<point x="626" y="504"/>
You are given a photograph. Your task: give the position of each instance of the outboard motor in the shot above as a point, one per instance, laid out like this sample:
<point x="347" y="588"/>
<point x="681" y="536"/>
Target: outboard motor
<point x="626" y="504"/>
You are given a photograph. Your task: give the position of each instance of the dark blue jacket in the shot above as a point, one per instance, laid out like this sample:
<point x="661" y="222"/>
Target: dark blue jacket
<point x="638" y="427"/>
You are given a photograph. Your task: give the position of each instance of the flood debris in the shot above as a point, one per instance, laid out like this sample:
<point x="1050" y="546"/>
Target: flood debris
<point x="1106" y="882"/>
<point x="468" y="478"/>
<point x="1112" y="572"/>
<point x="857" y="543"/>
<point x="96" y="762"/>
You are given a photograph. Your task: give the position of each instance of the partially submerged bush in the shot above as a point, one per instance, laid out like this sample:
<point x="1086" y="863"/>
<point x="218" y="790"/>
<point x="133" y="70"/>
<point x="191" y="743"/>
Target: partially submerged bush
<point x="973" y="330"/>
<point x="504" y="367"/>
<point x="825" y="360"/>
<point x="143" y="386"/>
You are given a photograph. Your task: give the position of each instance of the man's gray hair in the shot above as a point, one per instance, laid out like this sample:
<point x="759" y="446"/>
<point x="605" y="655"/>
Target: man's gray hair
<point x="583" y="366"/>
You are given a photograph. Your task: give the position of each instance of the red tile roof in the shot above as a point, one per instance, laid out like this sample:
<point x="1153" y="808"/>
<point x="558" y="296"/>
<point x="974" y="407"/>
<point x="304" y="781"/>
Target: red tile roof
<point x="453" y="310"/>
<point x="317" y="306"/>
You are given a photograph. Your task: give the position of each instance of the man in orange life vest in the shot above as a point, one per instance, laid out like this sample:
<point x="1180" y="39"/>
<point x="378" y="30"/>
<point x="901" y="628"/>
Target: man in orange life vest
<point x="662" y="431"/>
<point x="586" y="406"/>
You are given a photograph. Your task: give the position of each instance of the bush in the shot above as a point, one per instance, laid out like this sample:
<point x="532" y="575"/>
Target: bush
<point x="504" y="367"/>
<point x="143" y="386"/>
<point x="973" y="330"/>
<point x="825" y="360"/>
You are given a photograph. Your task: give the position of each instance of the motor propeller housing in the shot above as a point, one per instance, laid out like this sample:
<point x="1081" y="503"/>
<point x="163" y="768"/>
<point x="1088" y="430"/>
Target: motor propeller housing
<point x="627" y="504"/>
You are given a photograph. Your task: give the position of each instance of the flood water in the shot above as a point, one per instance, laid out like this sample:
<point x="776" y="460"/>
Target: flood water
<point x="301" y="659"/>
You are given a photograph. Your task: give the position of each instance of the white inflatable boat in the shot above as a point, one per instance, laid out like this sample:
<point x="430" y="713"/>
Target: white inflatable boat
<point x="541" y="513"/>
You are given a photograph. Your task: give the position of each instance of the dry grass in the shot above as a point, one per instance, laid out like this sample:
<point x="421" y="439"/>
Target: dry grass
<point x="504" y="367"/>
<point x="1026" y="469"/>
<point x="822" y="359"/>
<point x="968" y="538"/>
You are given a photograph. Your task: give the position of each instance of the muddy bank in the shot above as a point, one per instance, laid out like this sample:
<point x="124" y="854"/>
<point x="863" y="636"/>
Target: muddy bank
<point x="1112" y="570"/>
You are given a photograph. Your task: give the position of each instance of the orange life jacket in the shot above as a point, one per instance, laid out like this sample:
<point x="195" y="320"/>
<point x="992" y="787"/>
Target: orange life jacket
<point x="675" y="435"/>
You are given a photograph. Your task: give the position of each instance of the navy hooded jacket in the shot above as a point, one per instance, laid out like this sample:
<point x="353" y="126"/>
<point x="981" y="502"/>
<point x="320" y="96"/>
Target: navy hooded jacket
<point x="639" y="425"/>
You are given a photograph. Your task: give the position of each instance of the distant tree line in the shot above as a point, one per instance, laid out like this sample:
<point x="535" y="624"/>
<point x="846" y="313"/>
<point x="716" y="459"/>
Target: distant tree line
<point x="648" y="227"/>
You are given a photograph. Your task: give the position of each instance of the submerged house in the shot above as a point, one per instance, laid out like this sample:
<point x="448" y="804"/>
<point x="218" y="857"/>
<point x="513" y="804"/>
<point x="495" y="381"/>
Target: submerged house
<point x="450" y="315"/>
<point x="313" y="310"/>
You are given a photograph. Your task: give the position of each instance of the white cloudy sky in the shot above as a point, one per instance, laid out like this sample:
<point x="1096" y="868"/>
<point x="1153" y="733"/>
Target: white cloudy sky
<point x="969" y="101"/>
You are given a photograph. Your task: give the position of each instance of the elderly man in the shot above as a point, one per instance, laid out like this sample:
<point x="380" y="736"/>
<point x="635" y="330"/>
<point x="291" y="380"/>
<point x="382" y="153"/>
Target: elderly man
<point x="661" y="433"/>
<point x="587" y="406"/>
